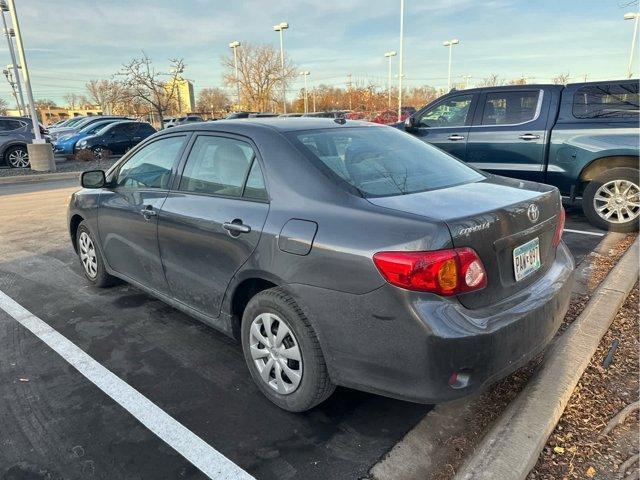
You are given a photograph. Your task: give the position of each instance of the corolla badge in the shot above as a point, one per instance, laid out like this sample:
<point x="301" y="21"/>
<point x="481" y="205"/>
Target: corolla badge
<point x="533" y="213"/>
<point x="475" y="228"/>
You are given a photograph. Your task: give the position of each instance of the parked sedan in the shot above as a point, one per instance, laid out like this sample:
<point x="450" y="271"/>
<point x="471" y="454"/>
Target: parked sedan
<point x="116" y="137"/>
<point x="85" y="122"/>
<point x="66" y="144"/>
<point x="337" y="252"/>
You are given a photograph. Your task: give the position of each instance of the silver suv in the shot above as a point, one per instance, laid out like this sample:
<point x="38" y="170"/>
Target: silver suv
<point x="15" y="133"/>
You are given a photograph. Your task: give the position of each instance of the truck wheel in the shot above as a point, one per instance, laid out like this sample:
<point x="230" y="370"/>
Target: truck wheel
<point x="612" y="200"/>
<point x="283" y="353"/>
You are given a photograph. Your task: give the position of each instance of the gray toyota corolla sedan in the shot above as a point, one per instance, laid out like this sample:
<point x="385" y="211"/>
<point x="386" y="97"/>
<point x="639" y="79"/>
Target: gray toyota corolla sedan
<point x="337" y="252"/>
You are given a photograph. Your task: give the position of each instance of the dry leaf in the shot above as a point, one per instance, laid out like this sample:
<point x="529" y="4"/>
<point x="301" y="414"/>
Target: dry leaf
<point x="591" y="472"/>
<point x="558" y="449"/>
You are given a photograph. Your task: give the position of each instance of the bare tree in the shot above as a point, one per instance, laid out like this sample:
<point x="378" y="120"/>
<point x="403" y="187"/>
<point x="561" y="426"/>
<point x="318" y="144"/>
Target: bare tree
<point x="213" y="100"/>
<point x="45" y="103"/>
<point x="491" y="81"/>
<point x="561" y="79"/>
<point x="72" y="100"/>
<point x="260" y="75"/>
<point x="157" y="88"/>
<point x="108" y="94"/>
<point x="3" y="106"/>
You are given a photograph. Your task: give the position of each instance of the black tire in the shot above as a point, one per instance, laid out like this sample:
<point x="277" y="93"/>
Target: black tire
<point x="315" y="385"/>
<point x="101" y="278"/>
<point x="16" y="155"/>
<point x="589" y="209"/>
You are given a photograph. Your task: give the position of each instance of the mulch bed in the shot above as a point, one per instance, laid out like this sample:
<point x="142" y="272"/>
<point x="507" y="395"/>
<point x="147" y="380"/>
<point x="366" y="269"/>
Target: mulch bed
<point x="493" y="402"/>
<point x="575" y="449"/>
<point x="63" y="166"/>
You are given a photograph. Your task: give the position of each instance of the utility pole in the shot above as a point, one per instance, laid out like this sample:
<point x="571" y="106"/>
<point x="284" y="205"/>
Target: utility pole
<point x="632" y="16"/>
<point x="313" y="92"/>
<point x="349" y="90"/>
<point x="8" y="75"/>
<point x="466" y="79"/>
<point x="450" y="44"/>
<point x="14" y="64"/>
<point x="400" y="60"/>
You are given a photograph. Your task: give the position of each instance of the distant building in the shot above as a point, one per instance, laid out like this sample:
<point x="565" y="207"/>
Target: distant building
<point x="184" y="96"/>
<point x="55" y="114"/>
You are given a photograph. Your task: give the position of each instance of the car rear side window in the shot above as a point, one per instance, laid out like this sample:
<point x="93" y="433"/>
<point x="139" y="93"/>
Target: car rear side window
<point x="607" y="101"/>
<point x="150" y="167"/>
<point x="509" y="108"/>
<point x="217" y="166"/>
<point x="10" y="125"/>
<point x="383" y="161"/>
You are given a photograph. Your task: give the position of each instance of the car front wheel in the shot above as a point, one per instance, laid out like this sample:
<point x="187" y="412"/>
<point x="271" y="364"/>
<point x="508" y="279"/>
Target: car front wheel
<point x="17" y="157"/>
<point x="283" y="353"/>
<point x="91" y="258"/>
<point x="612" y="200"/>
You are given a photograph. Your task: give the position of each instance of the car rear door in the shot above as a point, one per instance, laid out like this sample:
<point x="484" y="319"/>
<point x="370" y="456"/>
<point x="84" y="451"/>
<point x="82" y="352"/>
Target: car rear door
<point x="509" y="135"/>
<point x="212" y="220"/>
<point x="128" y="211"/>
<point x="445" y="124"/>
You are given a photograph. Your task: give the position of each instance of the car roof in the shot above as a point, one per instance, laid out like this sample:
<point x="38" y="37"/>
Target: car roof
<point x="281" y="124"/>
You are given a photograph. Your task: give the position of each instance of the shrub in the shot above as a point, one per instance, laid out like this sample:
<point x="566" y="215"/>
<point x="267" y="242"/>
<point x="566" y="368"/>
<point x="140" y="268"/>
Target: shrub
<point x="84" y="156"/>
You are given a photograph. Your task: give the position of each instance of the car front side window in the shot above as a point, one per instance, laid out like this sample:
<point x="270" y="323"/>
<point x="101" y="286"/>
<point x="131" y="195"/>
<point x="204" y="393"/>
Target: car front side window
<point x="150" y="167"/>
<point x="449" y="113"/>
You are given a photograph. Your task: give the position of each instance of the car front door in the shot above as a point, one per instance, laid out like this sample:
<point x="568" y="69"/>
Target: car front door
<point x="211" y="223"/>
<point x="129" y="208"/>
<point x="446" y="123"/>
<point x="509" y="134"/>
<point x="118" y="138"/>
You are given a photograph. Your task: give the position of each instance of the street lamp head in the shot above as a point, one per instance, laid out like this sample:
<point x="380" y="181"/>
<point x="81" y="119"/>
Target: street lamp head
<point x="391" y="54"/>
<point x="281" y="26"/>
<point x="448" y="43"/>
<point x="305" y="72"/>
<point x="3" y="6"/>
<point x="234" y="44"/>
<point x="631" y="15"/>
<point x="10" y="32"/>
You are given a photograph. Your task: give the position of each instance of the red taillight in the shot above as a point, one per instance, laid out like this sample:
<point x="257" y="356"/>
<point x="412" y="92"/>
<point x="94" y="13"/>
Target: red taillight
<point x="559" y="227"/>
<point x="445" y="272"/>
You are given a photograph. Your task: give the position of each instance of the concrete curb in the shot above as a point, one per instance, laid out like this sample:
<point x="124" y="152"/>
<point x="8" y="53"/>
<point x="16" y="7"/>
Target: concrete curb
<point x="512" y="447"/>
<point x="36" y="178"/>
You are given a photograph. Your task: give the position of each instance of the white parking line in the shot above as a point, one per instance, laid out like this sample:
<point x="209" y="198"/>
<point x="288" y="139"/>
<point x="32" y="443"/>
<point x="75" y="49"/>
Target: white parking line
<point x="584" y="232"/>
<point x="202" y="455"/>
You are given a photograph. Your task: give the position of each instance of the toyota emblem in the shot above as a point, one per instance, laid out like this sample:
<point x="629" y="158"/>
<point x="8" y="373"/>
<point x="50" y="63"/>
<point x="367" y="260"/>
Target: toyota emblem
<point x="533" y="213"/>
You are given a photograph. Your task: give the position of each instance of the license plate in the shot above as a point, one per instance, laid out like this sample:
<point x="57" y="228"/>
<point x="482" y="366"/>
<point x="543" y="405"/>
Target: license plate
<point x="526" y="259"/>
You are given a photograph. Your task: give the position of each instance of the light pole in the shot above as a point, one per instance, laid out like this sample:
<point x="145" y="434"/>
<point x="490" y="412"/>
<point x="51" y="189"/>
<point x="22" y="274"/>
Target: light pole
<point x="466" y="79"/>
<point x="234" y="45"/>
<point x="9" y="32"/>
<point x="632" y="16"/>
<point x="281" y="27"/>
<point x="9" y="76"/>
<point x="305" y="73"/>
<point x="25" y="73"/>
<point x="389" y="55"/>
<point x="400" y="60"/>
<point x="450" y="44"/>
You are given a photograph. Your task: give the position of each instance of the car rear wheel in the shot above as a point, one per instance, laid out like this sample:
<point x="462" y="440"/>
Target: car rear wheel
<point x="91" y="258"/>
<point x="612" y="200"/>
<point x="283" y="353"/>
<point x="17" y="157"/>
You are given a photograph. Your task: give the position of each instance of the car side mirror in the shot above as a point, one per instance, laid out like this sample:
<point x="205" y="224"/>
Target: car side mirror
<point x="411" y="123"/>
<point x="93" y="179"/>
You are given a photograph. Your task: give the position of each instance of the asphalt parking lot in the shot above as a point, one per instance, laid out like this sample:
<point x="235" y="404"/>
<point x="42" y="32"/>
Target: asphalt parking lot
<point x="57" y="424"/>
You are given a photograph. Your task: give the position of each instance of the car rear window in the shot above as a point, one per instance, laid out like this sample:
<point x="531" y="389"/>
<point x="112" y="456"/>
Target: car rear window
<point x="607" y="101"/>
<point x="384" y="161"/>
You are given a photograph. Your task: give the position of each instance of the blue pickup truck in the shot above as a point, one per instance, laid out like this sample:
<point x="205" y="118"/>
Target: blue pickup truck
<point x="582" y="138"/>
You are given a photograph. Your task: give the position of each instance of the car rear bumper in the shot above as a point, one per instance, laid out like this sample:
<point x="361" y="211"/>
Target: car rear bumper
<point x="407" y="345"/>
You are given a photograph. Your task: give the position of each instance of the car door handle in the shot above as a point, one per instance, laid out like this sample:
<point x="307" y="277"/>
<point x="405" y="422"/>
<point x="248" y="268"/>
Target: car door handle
<point x="528" y="136"/>
<point x="147" y="213"/>
<point x="455" y="137"/>
<point x="236" y="226"/>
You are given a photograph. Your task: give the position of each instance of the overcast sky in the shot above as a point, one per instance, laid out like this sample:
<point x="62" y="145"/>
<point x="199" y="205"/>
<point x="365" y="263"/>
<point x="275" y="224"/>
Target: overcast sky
<point x="69" y="42"/>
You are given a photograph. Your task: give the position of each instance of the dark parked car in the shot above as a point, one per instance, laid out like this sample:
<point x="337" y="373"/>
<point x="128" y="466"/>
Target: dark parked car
<point x="117" y="137"/>
<point x="85" y="122"/>
<point x="582" y="138"/>
<point x="234" y="115"/>
<point x="15" y="134"/>
<point x="328" y="114"/>
<point x="175" y="121"/>
<point x="337" y="252"/>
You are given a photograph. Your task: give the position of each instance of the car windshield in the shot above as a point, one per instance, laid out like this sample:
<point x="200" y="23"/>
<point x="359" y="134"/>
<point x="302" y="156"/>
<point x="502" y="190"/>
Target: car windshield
<point x="94" y="127"/>
<point x="104" y="129"/>
<point x="381" y="162"/>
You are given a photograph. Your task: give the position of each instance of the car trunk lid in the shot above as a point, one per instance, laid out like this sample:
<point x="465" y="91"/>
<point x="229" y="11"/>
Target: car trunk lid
<point x="494" y="217"/>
